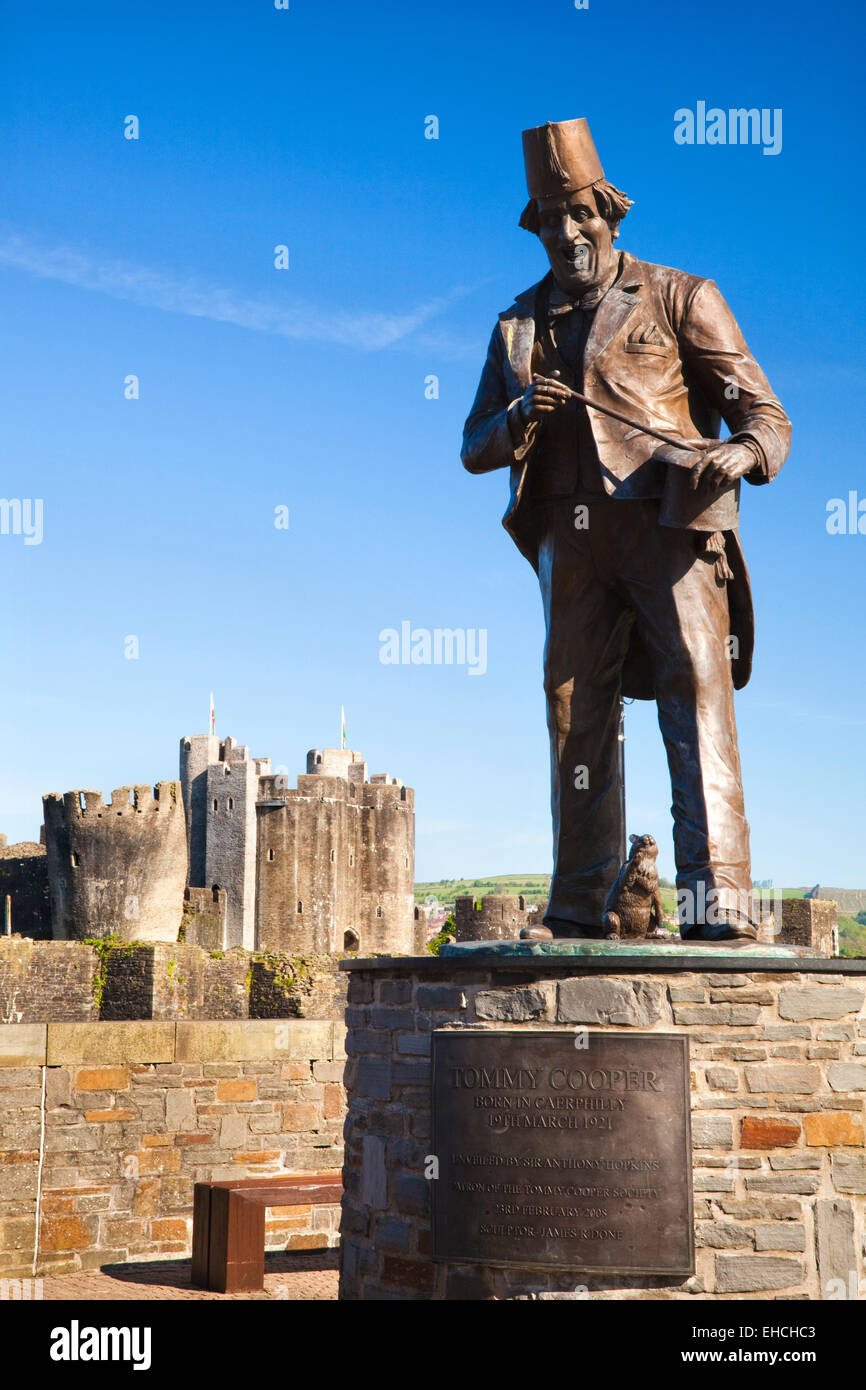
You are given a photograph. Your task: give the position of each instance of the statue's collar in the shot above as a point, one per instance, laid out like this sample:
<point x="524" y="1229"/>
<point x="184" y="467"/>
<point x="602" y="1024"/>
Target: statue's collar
<point x="625" y="276"/>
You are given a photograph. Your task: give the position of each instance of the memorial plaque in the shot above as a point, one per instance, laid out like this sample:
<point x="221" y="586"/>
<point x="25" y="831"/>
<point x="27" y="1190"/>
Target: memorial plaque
<point x="563" y="1156"/>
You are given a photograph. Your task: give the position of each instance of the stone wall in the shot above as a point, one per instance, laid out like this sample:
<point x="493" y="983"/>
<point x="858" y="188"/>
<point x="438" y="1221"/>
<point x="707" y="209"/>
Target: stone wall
<point x="42" y="980"/>
<point x="52" y="981"/>
<point x="113" y="1123"/>
<point x="24" y="877"/>
<point x="178" y="981"/>
<point x="778" y="1080"/>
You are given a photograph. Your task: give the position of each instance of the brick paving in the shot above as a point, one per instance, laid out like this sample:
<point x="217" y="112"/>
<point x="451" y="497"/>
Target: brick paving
<point x="309" y="1275"/>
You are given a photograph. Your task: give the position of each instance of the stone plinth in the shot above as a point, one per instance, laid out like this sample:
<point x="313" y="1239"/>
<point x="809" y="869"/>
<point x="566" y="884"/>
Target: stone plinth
<point x="778" y="1080"/>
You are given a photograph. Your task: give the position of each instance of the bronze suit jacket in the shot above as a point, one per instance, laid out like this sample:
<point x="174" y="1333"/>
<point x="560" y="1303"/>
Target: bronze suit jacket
<point x="664" y="349"/>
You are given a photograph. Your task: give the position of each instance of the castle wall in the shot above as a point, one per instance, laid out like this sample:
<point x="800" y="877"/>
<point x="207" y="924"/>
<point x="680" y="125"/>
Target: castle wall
<point x="196" y="755"/>
<point x="24" y="877"/>
<point x="177" y="981"/>
<point x="117" y="869"/>
<point x="204" y="918"/>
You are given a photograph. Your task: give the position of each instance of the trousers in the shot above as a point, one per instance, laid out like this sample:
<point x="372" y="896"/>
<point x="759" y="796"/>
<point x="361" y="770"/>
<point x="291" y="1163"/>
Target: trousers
<point x="604" y="565"/>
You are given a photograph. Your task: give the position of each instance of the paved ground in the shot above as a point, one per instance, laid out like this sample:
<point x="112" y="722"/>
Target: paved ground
<point x="307" y="1275"/>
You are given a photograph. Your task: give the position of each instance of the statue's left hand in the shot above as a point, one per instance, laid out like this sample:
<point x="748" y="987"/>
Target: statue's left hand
<point x="722" y="465"/>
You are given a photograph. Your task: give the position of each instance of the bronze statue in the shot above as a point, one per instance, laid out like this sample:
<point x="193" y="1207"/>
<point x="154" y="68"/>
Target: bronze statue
<point x="628" y="511"/>
<point x="634" y="903"/>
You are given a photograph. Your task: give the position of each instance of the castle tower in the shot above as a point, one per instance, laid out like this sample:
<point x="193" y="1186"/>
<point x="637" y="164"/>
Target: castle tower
<point x="337" y="762"/>
<point x="336" y="859"/>
<point x="196" y="755"/>
<point x="230" y="835"/>
<point x="500" y="917"/>
<point x="116" y="869"/>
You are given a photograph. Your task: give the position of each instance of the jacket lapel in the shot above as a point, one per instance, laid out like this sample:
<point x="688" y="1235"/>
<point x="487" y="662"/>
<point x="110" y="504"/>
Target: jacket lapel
<point x="610" y="315"/>
<point x="517" y="326"/>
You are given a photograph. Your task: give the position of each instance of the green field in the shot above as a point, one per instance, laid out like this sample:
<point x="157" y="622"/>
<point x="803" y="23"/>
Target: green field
<point x="534" y="888"/>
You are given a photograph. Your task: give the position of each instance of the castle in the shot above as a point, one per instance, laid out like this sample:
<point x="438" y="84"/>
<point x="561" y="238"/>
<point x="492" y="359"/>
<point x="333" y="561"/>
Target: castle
<point x="326" y="866"/>
<point x="228" y="855"/>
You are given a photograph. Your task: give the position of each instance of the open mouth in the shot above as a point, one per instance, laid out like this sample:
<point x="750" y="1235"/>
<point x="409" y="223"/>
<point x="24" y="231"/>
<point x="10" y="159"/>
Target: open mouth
<point x="576" y="256"/>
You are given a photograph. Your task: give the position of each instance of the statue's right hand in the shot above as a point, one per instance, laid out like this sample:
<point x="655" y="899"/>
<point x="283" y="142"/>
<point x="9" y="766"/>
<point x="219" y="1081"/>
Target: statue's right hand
<point x="546" y="393"/>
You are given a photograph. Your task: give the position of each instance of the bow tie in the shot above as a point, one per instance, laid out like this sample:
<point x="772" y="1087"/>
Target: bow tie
<point x="560" y="303"/>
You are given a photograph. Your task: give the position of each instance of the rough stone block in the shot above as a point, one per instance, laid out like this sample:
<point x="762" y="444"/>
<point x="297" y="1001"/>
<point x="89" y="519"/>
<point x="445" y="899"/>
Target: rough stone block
<point x="712" y="1132"/>
<point x="849" y="1172"/>
<point x="111" y="1043"/>
<point x="242" y="1089"/>
<point x="769" y="1132"/>
<point x="687" y="994"/>
<point x="778" y="1182"/>
<point x="833" y="1128"/>
<point x="834" y="1242"/>
<point x="836" y="1032"/>
<point x="408" y="1274"/>
<point x="780" y="1235"/>
<point x="374" y="1174"/>
<point x="797" y="1080"/>
<point x="724" y="1235"/>
<point x="785" y="1163"/>
<point x="621" y="1003"/>
<point x="847" y="1076"/>
<point x="374" y="1079"/>
<point x="243" y="1041"/>
<point x="819" y="1001"/>
<point x="411" y="1195"/>
<point x="762" y="1209"/>
<point x="517" y="1005"/>
<point x="722" y="1079"/>
<point x="393" y="1234"/>
<point x="756" y="1273"/>
<point x="742" y="996"/>
<point x="440" y="997"/>
<point x="395" y="991"/>
<point x="22" y="1044"/>
<point x="102" y="1079"/>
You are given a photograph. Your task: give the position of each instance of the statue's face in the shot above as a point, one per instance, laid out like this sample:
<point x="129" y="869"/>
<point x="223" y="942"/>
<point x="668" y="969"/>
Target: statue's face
<point x="578" y="241"/>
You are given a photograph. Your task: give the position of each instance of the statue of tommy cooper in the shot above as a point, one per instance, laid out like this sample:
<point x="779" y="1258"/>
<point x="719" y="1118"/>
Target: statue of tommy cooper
<point x="627" y="508"/>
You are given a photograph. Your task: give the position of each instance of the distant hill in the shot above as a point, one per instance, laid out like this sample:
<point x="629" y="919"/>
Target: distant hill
<point x="535" y="889"/>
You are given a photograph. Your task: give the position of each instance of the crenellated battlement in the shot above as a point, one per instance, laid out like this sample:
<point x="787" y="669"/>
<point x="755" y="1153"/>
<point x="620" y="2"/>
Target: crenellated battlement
<point x="137" y="799"/>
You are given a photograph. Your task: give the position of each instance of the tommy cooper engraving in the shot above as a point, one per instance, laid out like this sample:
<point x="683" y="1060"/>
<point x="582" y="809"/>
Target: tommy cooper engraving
<point x="549" y="1162"/>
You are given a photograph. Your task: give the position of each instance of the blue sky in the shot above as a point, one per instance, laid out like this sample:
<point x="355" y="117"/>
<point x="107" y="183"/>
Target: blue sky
<point x="304" y="388"/>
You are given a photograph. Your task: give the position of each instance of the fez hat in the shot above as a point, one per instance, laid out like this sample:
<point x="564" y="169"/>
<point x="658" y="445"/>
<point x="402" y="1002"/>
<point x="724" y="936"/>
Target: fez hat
<point x="560" y="157"/>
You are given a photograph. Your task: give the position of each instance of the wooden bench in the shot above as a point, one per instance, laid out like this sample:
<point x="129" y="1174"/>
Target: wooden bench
<point x="228" y="1224"/>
